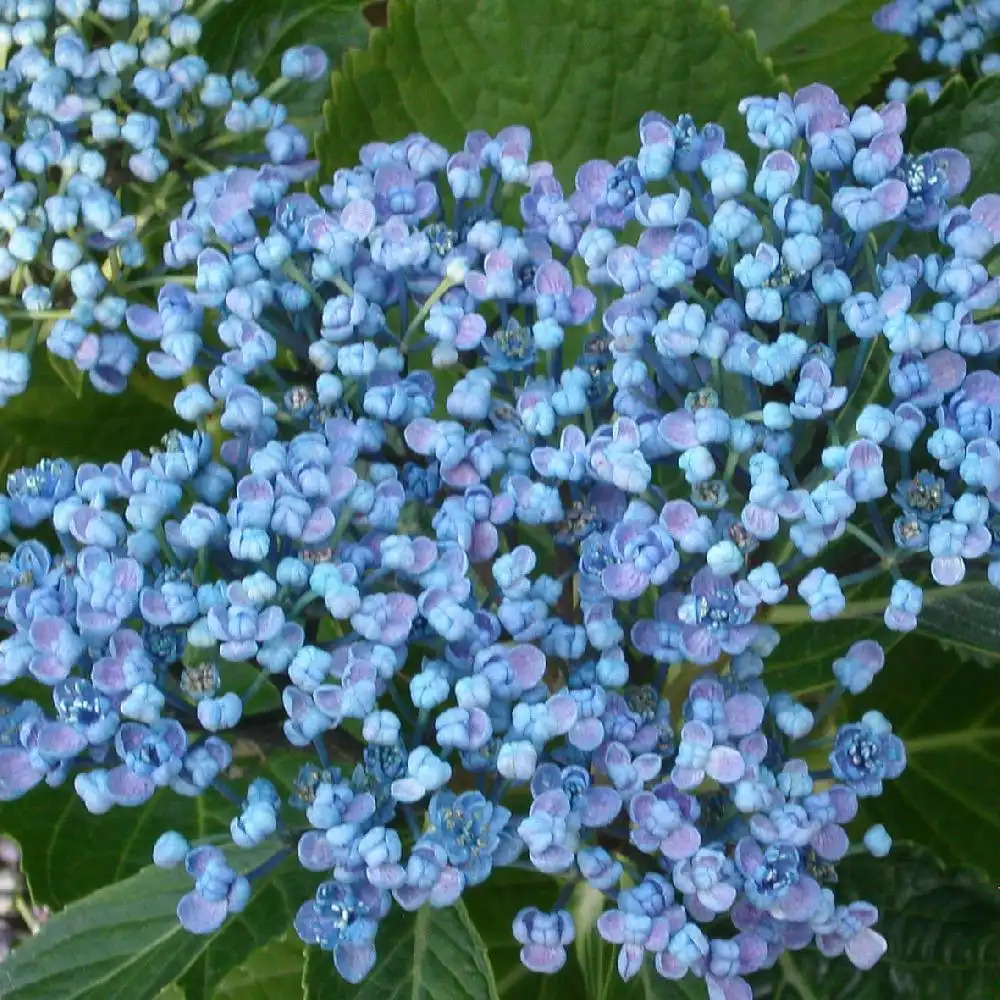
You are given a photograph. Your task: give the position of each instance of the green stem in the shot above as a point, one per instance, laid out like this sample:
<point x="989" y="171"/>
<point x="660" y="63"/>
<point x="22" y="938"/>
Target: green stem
<point x="867" y="540"/>
<point x="447" y="283"/>
<point x="795" y="978"/>
<point x="292" y="270"/>
<point x="29" y="918"/>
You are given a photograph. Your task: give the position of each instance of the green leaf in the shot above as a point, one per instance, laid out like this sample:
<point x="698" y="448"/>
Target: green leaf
<point x="124" y="941"/>
<point x="967" y="121"/>
<point x="492" y="908"/>
<point x="51" y="420"/>
<point x="273" y="972"/>
<point x="966" y="622"/>
<point x="578" y="73"/>
<point x="947" y="712"/>
<point x="69" y="853"/>
<point x="803" y="660"/>
<point x="942" y="928"/>
<point x="427" y="955"/>
<point x="268" y="916"/>
<point x="68" y="373"/>
<point x="828" y="41"/>
<point x="48" y="823"/>
<point x="240" y="34"/>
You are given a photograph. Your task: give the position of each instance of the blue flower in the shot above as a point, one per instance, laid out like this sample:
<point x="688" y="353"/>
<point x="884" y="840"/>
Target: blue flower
<point x="344" y="919"/>
<point x="867" y="753"/>
<point x="34" y="492"/>
<point x="468" y="828"/>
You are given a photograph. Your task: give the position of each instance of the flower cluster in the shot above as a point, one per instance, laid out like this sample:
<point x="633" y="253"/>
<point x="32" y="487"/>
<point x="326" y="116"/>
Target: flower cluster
<point x="106" y="111"/>
<point x="948" y="34"/>
<point x="666" y="413"/>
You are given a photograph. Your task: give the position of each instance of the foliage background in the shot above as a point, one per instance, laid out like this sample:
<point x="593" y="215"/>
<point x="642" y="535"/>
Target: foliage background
<point x="579" y="73"/>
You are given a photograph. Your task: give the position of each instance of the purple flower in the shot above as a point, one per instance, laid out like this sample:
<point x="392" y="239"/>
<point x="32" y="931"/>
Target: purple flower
<point x="775" y="880"/>
<point x="713" y="619"/>
<point x="705" y="878"/>
<point x="218" y="891"/>
<point x="107" y="591"/>
<point x="697" y="758"/>
<point x="848" y="932"/>
<point x="866" y="753"/>
<point x="241" y="627"/>
<point x="544" y="937"/>
<point x="551" y="831"/>
<point x="643" y="922"/>
<point x="594" y="805"/>
<point x="34" y="492"/>
<point x="664" y="822"/>
<point x="152" y="756"/>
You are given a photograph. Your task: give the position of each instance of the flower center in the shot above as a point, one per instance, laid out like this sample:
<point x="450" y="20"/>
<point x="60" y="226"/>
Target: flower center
<point x="780" y="870"/>
<point x="513" y="342"/>
<point x="442" y="239"/>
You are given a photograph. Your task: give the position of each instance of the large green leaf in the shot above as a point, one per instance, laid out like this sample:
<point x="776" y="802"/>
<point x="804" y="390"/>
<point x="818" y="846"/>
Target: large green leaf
<point x="947" y="711"/>
<point x="827" y="41"/>
<point x="967" y="120"/>
<point x="579" y="73"/>
<point x="69" y="853"/>
<point x="124" y="941"/>
<point x="942" y="927"/>
<point x="427" y="955"/>
<point x="966" y="623"/>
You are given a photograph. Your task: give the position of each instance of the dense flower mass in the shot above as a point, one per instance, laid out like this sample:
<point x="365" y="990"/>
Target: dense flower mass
<point x="107" y="107"/>
<point x="479" y="465"/>
<point x="949" y="34"/>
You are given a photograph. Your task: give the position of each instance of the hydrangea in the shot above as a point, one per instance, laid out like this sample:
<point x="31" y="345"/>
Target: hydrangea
<point x="118" y="104"/>
<point x="637" y="450"/>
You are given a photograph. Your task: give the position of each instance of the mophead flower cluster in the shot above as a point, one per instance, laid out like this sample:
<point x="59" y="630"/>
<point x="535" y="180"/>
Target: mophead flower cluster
<point x="108" y="111"/>
<point x="481" y="468"/>
<point x="950" y="34"/>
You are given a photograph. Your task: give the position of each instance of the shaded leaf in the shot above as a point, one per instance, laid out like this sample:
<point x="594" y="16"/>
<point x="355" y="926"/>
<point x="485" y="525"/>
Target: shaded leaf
<point x="273" y="972"/>
<point x="67" y="373"/>
<point x="492" y="908"/>
<point x="247" y="937"/>
<point x="967" y="622"/>
<point x="69" y="853"/>
<point x="578" y="73"/>
<point x="124" y="941"/>
<point x="49" y="420"/>
<point x="427" y="955"/>
<point x="831" y="41"/>
<point x="254" y="36"/>
<point x="948" y="714"/>
<point x="942" y="927"/>
<point x="803" y="660"/>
